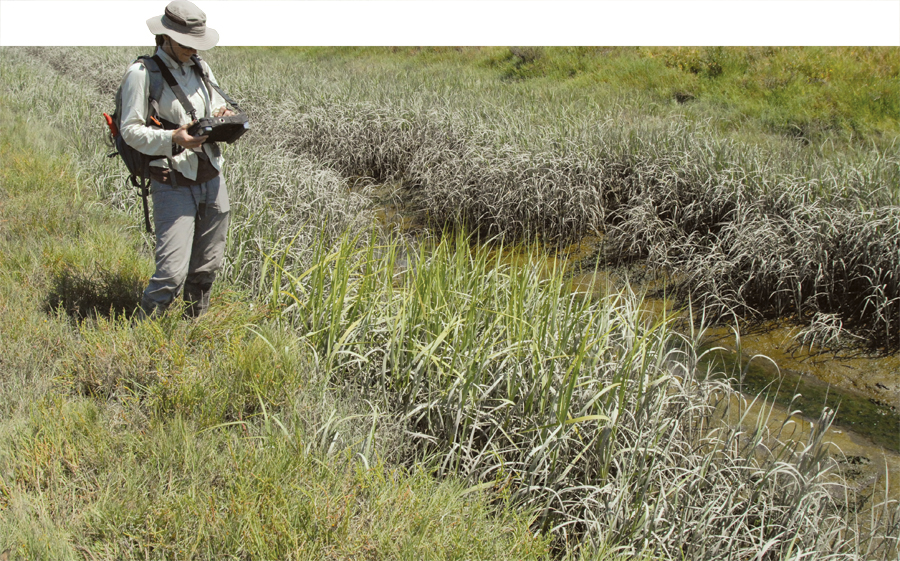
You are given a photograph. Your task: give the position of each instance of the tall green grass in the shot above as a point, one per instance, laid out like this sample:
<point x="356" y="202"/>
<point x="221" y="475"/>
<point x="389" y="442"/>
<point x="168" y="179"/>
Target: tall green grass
<point x="811" y="94"/>
<point x="595" y="413"/>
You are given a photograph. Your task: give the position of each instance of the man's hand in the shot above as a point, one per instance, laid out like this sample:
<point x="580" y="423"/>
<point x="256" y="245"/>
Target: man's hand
<point x="181" y="137"/>
<point x="223" y="112"/>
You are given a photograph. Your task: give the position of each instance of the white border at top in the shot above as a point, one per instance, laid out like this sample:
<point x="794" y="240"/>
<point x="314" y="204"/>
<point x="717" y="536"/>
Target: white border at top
<point x="467" y="22"/>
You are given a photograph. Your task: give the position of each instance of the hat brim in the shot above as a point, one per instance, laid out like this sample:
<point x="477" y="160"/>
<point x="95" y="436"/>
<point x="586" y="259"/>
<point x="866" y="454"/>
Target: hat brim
<point x="208" y="40"/>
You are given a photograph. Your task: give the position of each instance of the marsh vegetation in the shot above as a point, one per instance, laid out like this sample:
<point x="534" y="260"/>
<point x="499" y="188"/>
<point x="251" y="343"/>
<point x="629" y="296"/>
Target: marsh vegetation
<point x="365" y="392"/>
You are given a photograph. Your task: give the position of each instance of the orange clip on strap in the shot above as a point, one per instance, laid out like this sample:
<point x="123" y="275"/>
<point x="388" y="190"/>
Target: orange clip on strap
<point x="111" y="124"/>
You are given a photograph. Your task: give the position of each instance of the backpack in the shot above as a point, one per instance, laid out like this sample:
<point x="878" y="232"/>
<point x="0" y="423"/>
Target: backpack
<point x="138" y="163"/>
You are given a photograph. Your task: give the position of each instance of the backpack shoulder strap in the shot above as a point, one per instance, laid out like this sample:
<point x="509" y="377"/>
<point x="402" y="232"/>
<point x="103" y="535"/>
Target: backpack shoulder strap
<point x="154" y="75"/>
<point x="140" y="163"/>
<point x="210" y="84"/>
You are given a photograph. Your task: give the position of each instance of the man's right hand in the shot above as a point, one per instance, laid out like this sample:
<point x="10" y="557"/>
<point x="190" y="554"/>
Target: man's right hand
<point x="181" y="137"/>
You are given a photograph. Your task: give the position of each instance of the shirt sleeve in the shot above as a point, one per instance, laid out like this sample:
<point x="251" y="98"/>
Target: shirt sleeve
<point x="135" y="107"/>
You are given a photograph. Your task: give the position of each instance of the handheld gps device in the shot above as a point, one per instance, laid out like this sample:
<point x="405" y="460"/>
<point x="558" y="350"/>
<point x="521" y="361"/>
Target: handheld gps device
<point x="221" y="129"/>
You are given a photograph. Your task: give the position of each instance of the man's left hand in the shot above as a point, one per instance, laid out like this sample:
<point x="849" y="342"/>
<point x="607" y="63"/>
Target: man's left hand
<point x="223" y="112"/>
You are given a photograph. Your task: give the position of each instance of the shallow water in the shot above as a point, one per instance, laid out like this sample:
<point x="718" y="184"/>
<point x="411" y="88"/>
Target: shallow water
<point x="799" y="391"/>
<point x="864" y="389"/>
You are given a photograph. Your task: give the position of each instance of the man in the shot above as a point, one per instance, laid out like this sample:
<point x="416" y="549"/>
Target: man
<point x="190" y="198"/>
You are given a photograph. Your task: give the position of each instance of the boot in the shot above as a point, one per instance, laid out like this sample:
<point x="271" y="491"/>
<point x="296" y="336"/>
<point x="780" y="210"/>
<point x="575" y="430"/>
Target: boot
<point x="148" y="310"/>
<point x="196" y="296"/>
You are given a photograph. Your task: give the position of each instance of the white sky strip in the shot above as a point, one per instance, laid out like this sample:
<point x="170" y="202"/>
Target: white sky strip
<point x="467" y="22"/>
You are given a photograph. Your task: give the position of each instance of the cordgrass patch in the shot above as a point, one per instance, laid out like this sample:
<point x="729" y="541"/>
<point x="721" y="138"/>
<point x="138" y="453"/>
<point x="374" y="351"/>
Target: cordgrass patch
<point x="593" y="413"/>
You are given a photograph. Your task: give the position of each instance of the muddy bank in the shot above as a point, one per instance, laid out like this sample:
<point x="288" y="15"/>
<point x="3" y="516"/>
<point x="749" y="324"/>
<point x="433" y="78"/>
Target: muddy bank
<point x="873" y="376"/>
<point x="863" y="389"/>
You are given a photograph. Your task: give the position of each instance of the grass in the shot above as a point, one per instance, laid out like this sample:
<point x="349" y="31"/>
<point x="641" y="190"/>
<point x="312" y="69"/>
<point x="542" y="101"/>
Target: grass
<point x="589" y="411"/>
<point x="359" y="393"/>
<point x="811" y="94"/>
<point x="672" y="194"/>
<point x="86" y="487"/>
<point x="535" y="160"/>
<point x="168" y="439"/>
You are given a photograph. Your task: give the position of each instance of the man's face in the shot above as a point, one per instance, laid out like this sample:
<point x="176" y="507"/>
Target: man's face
<point x="181" y="52"/>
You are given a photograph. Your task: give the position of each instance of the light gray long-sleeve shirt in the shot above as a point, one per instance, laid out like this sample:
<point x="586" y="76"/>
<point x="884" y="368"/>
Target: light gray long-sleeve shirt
<point x="158" y="142"/>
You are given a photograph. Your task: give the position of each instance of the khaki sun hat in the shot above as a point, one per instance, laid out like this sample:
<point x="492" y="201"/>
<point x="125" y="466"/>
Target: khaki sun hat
<point x="185" y="23"/>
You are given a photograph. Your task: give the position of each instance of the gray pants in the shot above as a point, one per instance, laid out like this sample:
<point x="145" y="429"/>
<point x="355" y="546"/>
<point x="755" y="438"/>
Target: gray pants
<point x="191" y="225"/>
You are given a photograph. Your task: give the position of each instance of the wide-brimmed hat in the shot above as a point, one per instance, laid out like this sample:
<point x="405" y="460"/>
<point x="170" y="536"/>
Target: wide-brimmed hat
<point x="186" y="24"/>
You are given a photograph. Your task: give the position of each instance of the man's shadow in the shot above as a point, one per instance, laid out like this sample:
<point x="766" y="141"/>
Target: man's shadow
<point x="84" y="294"/>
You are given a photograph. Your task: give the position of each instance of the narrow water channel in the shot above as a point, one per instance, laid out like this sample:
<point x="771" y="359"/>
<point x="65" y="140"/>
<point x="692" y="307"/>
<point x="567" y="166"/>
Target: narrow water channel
<point x="864" y="391"/>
